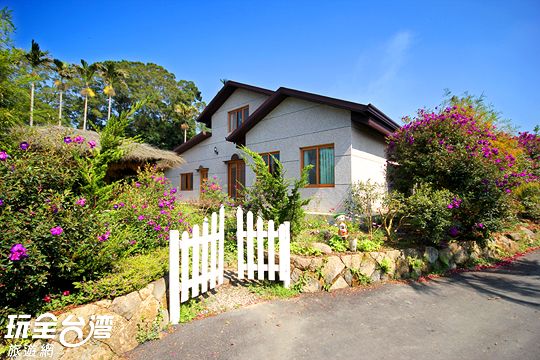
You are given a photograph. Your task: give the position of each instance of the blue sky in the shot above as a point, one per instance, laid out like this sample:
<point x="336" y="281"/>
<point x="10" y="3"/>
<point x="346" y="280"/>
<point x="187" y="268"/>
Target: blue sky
<point x="398" y="56"/>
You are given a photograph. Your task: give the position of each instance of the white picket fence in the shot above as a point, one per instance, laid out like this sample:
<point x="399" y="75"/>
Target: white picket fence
<point x="203" y="275"/>
<point x="251" y="235"/>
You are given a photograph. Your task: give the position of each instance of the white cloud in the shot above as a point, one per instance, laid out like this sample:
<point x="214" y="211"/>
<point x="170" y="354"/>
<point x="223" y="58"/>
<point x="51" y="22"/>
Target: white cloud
<point x="391" y="59"/>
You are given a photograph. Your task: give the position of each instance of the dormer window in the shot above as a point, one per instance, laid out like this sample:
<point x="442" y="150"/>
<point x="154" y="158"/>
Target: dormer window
<point x="237" y="117"/>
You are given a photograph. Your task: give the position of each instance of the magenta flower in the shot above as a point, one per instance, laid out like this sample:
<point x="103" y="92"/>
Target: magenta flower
<point x="132" y="242"/>
<point x="3" y="155"/>
<point x="78" y="139"/>
<point x="453" y="231"/>
<point x="1" y="202"/>
<point x="67" y="140"/>
<point x="65" y="293"/>
<point x="92" y="144"/>
<point x="157" y="227"/>
<point x="137" y="184"/>
<point x="57" y="230"/>
<point x="81" y="202"/>
<point x="140" y="218"/>
<point x="18" y="252"/>
<point x="105" y="236"/>
<point x="173" y="191"/>
<point x="24" y="146"/>
<point x="480" y="225"/>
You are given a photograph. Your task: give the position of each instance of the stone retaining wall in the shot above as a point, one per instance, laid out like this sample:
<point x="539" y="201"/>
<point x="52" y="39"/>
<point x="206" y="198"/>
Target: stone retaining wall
<point x="132" y="313"/>
<point x="336" y="271"/>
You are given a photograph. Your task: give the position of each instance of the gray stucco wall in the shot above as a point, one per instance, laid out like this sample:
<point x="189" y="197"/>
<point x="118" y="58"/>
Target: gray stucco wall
<point x="203" y="153"/>
<point x="297" y="123"/>
<point x="368" y="155"/>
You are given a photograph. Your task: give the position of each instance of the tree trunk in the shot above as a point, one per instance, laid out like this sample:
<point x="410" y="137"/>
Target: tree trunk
<point x="109" y="112"/>
<point x="60" y="110"/>
<point x="85" y="110"/>
<point x="32" y="104"/>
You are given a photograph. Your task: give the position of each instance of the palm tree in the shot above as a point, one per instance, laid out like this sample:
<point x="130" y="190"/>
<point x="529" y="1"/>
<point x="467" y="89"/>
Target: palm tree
<point x="111" y="75"/>
<point x="37" y="59"/>
<point x="65" y="73"/>
<point x="87" y="73"/>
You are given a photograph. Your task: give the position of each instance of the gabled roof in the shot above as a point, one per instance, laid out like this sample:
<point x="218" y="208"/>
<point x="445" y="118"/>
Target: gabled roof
<point x="365" y="114"/>
<point x="192" y="142"/>
<point x="223" y="94"/>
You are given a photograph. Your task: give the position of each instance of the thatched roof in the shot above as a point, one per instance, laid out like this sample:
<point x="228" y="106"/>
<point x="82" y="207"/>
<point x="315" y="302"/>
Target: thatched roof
<point x="135" y="154"/>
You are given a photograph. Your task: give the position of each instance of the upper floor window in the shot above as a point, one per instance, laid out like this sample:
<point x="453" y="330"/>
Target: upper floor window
<point x="322" y="159"/>
<point x="270" y="160"/>
<point x="237" y="117"/>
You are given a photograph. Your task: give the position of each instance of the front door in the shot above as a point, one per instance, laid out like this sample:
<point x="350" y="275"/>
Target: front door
<point x="237" y="178"/>
<point x="203" y="176"/>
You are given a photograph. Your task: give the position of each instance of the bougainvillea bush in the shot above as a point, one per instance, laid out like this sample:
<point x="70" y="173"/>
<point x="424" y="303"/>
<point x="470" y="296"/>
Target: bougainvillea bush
<point x="457" y="151"/>
<point x="54" y="232"/>
<point x="143" y="212"/>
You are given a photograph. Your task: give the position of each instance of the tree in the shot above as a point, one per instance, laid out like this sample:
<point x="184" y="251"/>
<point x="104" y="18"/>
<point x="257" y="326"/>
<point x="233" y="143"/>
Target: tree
<point x="158" y="121"/>
<point x="111" y="74"/>
<point x="87" y="73"/>
<point x="270" y="197"/>
<point x="37" y="59"/>
<point x="65" y="73"/>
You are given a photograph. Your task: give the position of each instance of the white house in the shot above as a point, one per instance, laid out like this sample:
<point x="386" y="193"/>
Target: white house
<point x="343" y="140"/>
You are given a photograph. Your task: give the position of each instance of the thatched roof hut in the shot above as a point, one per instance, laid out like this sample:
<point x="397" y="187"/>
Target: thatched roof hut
<point x="136" y="155"/>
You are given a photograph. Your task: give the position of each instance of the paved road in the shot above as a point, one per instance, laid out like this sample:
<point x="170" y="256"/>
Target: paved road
<point x="492" y="314"/>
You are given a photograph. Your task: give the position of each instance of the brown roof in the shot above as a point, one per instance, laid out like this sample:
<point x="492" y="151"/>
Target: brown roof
<point x="192" y="142"/>
<point x="223" y="94"/>
<point x="366" y="114"/>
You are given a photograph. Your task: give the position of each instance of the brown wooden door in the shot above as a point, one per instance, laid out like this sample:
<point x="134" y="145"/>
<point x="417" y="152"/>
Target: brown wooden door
<point x="237" y="178"/>
<point x="203" y="176"/>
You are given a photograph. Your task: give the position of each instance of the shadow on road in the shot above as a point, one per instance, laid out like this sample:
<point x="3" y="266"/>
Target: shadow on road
<point x="517" y="283"/>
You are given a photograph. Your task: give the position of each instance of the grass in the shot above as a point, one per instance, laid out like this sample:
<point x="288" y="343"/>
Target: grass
<point x="190" y="310"/>
<point x="272" y="290"/>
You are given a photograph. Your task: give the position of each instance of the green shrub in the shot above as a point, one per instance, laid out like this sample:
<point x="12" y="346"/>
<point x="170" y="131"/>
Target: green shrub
<point x="364" y="200"/>
<point x="528" y="196"/>
<point x="430" y="218"/>
<point x="272" y="195"/>
<point x="42" y="214"/>
<point x="367" y="245"/>
<point x="337" y="243"/>
<point x="128" y="275"/>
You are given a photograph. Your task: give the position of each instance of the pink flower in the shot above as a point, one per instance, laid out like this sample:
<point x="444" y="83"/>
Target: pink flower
<point x="140" y="218"/>
<point x="105" y="236"/>
<point x="47" y="299"/>
<point x="92" y="144"/>
<point x="65" y="293"/>
<point x="3" y="155"/>
<point x="56" y="231"/>
<point x="81" y="202"/>
<point x="18" y="252"/>
<point x="78" y="139"/>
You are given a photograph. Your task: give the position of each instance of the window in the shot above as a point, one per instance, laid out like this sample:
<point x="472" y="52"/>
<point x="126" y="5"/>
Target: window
<point x="186" y="181"/>
<point x="322" y="159"/>
<point x="270" y="160"/>
<point x="237" y="117"/>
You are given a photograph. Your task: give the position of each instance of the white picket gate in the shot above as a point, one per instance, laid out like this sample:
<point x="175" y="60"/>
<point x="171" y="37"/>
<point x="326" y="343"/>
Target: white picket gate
<point x="203" y="275"/>
<point x="283" y="234"/>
